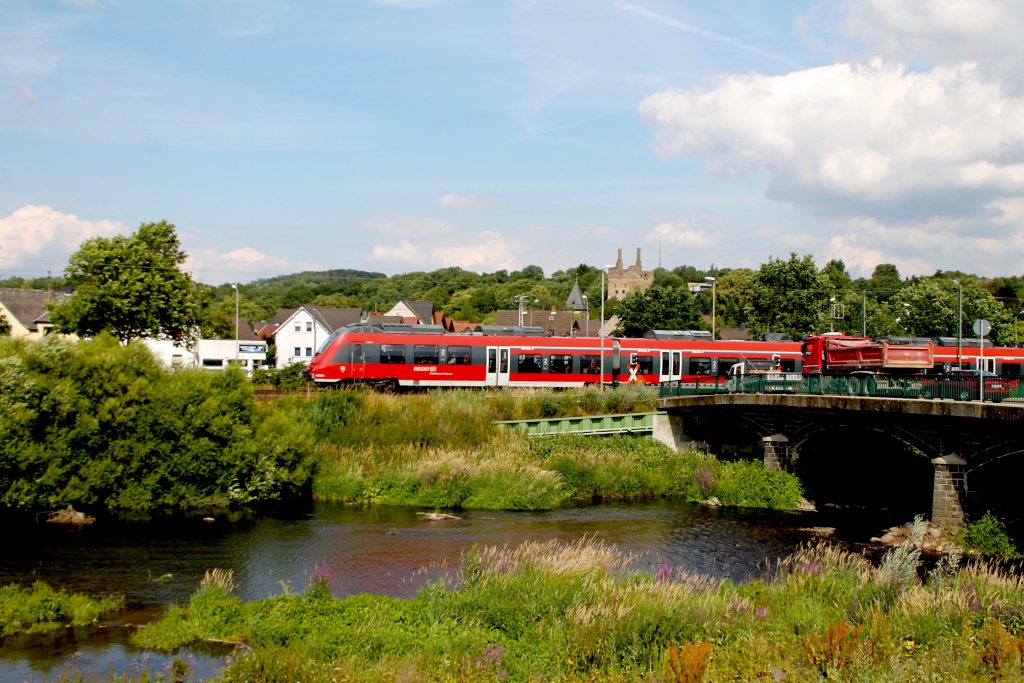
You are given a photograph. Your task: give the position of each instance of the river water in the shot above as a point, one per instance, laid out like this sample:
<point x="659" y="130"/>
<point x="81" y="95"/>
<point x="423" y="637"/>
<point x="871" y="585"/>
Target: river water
<point x="386" y="550"/>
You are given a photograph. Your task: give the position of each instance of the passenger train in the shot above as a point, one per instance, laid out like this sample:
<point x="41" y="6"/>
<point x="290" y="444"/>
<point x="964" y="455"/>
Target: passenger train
<point x="402" y="356"/>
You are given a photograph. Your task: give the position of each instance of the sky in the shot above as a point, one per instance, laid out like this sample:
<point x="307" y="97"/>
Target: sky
<point x="410" y="135"/>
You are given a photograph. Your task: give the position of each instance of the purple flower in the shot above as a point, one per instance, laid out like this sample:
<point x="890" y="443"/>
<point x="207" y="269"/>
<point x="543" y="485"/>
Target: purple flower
<point x="664" y="573"/>
<point x="761" y="612"/>
<point x="321" y="573"/>
<point x="704" y="480"/>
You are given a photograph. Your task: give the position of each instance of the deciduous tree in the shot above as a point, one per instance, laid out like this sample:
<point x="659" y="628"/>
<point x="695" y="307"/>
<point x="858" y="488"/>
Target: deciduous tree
<point x="658" y="308"/>
<point x="789" y="296"/>
<point x="132" y="287"/>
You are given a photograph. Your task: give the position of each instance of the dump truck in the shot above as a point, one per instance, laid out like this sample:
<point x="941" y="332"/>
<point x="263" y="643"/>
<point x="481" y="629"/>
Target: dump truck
<point x="861" y="362"/>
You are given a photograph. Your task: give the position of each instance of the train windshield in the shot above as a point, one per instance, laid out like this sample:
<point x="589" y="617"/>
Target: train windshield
<point x="331" y="337"/>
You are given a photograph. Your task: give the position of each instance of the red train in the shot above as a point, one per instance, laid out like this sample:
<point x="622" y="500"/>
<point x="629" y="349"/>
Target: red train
<point x="425" y="356"/>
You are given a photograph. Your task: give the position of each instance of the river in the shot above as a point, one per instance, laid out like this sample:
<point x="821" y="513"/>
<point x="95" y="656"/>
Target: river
<point x="386" y="550"/>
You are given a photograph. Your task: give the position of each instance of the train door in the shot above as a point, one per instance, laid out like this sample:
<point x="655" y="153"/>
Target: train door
<point x="358" y="362"/>
<point x="497" y="366"/>
<point x="671" y="366"/>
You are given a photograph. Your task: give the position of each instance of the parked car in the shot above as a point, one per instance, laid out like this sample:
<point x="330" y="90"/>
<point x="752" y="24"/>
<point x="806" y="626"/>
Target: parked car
<point x="963" y="385"/>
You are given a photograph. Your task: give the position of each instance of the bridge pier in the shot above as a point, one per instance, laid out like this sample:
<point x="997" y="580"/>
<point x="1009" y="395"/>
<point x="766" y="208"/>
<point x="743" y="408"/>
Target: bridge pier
<point x="669" y="430"/>
<point x="776" y="452"/>
<point x="949" y="491"/>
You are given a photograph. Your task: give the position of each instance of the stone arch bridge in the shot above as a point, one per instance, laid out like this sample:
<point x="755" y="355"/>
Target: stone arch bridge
<point x="957" y="437"/>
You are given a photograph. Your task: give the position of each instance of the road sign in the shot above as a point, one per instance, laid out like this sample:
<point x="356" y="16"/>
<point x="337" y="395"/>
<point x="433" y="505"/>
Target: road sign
<point x="982" y="327"/>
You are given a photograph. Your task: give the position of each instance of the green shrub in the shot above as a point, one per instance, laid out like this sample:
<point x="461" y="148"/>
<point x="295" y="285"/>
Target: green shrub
<point x="102" y="426"/>
<point x="988" y="535"/>
<point x="43" y="608"/>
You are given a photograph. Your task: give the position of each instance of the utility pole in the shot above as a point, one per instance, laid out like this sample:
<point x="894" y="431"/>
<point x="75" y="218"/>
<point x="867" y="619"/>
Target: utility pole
<point x="520" y="299"/>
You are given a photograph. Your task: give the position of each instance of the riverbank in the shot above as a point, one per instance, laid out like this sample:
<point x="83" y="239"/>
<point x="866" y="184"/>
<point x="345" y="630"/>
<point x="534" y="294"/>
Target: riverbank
<point x="442" y="451"/>
<point x="583" y="611"/>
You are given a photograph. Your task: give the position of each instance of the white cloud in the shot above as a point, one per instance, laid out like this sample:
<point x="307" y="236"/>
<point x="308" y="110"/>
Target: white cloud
<point x="242" y="264"/>
<point x="871" y="134"/>
<point x="922" y="247"/>
<point x="682" y="234"/>
<point x="988" y="32"/>
<point x="461" y="202"/>
<point x="35" y="239"/>
<point x="486" y="251"/>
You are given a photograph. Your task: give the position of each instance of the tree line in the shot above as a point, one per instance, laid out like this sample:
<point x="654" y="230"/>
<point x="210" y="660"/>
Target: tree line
<point x="133" y="286"/>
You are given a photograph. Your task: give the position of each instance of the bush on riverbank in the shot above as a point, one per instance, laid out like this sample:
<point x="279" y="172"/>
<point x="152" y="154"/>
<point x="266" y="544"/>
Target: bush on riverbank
<point x="42" y="608"/>
<point x="102" y="426"/>
<point x="584" y="611"/>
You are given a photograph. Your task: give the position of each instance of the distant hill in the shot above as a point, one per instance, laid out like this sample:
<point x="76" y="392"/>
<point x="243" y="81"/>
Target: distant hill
<point x="319" y="278"/>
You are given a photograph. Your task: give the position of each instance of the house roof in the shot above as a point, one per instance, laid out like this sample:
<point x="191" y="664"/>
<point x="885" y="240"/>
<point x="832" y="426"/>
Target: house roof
<point x="28" y="306"/>
<point x="333" y="318"/>
<point x="575" y="302"/>
<point x="245" y="331"/>
<point x="555" y="323"/>
<point x="423" y="309"/>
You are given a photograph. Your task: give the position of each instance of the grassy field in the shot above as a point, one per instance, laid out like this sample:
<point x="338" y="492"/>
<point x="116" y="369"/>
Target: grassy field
<point x="582" y="611"/>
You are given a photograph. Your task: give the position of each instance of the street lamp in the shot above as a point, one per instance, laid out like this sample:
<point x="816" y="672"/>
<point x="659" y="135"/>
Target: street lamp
<point x="712" y="281"/>
<point x="959" y="323"/>
<point x="601" y="331"/>
<point x="586" y="325"/>
<point x="234" y="286"/>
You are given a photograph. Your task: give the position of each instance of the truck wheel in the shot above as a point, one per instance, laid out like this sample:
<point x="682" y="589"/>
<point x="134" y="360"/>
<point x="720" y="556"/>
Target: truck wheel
<point x="814" y="384"/>
<point x="730" y="385"/>
<point x="928" y="392"/>
<point x="870" y="387"/>
<point x="965" y="395"/>
<point x="853" y="386"/>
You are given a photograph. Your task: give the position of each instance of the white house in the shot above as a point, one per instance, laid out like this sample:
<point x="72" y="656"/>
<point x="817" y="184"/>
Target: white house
<point x="211" y="354"/>
<point x="304" y="329"/>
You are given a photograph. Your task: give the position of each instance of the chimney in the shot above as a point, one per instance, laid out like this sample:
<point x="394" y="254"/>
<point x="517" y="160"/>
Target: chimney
<point x="618" y="261"/>
<point x="638" y="266"/>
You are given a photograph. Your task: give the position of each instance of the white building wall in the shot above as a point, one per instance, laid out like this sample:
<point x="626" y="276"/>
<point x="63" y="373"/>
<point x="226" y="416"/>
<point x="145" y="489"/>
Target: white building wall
<point x="298" y="338"/>
<point x="210" y="354"/>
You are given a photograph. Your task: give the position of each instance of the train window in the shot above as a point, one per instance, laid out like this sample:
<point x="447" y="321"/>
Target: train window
<point x="392" y="353"/>
<point x="664" y="362"/>
<point x="700" y="366"/>
<point x="677" y="363"/>
<point x="492" y="361"/>
<point x="590" y="365"/>
<point x="530" y="362"/>
<point x="645" y="365"/>
<point x="458" y="355"/>
<point x="560" y="364"/>
<point x="425" y="354"/>
<point x="724" y="364"/>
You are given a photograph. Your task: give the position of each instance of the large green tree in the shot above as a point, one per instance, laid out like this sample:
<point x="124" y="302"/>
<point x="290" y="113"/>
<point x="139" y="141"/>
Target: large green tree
<point x="5" y="326"/>
<point x="929" y="307"/>
<point x="132" y="287"/>
<point x="658" y="308"/>
<point x="789" y="296"/>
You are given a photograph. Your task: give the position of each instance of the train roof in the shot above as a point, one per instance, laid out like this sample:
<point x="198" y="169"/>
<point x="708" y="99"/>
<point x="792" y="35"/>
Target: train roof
<point x="678" y="334"/>
<point x="509" y="331"/>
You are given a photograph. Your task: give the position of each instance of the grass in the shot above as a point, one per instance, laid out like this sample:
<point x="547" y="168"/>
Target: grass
<point x="441" y="450"/>
<point x="516" y="473"/>
<point x="42" y="608"/>
<point x="585" y="611"/>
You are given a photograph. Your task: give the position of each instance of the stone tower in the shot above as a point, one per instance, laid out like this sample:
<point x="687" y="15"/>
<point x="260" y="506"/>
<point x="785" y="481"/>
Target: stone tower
<point x="623" y="281"/>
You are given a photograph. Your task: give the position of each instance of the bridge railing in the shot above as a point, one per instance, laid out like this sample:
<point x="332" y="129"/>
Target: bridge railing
<point x="997" y="389"/>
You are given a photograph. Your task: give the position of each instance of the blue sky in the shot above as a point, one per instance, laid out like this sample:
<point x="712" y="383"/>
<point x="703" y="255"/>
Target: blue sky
<point x="402" y="135"/>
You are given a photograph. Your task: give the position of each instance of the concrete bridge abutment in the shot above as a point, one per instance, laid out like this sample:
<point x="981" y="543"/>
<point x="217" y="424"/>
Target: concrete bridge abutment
<point x="670" y="430"/>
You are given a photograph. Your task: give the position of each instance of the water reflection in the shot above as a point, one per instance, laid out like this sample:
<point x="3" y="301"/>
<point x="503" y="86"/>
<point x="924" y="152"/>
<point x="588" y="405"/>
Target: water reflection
<point x="386" y="550"/>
